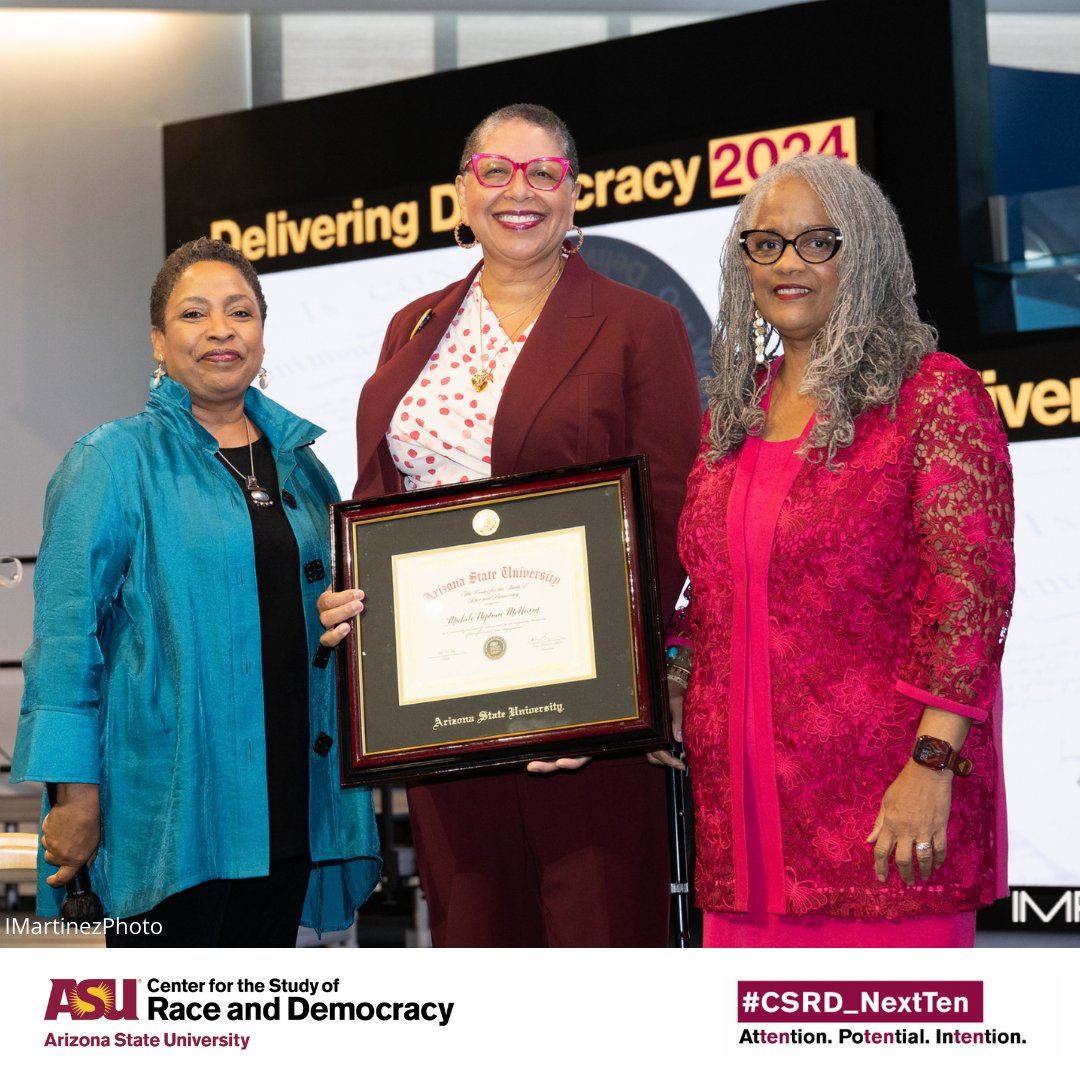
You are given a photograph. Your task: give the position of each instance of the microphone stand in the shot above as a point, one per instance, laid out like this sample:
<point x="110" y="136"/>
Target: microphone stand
<point x="680" y="877"/>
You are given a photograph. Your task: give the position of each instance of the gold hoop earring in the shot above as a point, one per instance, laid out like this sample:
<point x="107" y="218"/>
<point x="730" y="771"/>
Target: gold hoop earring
<point x="576" y="249"/>
<point x="458" y="240"/>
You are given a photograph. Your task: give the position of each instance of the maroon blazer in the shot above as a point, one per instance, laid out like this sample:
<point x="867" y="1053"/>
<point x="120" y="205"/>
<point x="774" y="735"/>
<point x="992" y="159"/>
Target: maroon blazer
<point x="606" y="372"/>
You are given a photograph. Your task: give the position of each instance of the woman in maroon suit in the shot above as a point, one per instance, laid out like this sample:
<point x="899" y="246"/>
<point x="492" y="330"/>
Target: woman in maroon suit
<point x="533" y="361"/>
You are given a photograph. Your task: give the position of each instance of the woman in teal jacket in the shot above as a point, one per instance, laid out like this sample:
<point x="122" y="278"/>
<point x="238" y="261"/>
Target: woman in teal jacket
<point x="170" y="694"/>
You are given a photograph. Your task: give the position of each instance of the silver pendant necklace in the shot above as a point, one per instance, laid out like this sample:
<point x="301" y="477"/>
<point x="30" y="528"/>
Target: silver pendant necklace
<point x="259" y="495"/>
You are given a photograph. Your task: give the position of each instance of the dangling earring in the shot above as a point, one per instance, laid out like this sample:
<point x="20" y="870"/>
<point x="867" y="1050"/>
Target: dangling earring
<point x="159" y="372"/>
<point x="457" y="237"/>
<point x="575" y="250"/>
<point x="264" y="381"/>
<point x="759" y="339"/>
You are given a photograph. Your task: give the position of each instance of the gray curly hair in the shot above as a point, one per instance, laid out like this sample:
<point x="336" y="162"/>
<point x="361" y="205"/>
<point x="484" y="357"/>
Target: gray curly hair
<point x="872" y="340"/>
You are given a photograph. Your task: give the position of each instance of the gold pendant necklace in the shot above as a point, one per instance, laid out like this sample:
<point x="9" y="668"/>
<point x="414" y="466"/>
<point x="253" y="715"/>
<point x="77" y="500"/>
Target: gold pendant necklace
<point x="481" y="378"/>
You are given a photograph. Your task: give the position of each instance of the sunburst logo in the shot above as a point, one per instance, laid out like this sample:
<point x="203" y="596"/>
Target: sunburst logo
<point x="92" y="999"/>
<point x="102" y="992"/>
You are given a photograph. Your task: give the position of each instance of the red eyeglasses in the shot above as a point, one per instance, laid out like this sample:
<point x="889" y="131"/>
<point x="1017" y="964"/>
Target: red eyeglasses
<point x="541" y="174"/>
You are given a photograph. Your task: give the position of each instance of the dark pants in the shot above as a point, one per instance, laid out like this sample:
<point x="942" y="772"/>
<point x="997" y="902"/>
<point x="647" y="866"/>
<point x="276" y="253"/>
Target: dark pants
<point x="242" y="913"/>
<point x="569" y="859"/>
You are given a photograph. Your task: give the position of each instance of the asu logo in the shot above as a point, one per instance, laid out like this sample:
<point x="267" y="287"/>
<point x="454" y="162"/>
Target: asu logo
<point x="91" y="999"/>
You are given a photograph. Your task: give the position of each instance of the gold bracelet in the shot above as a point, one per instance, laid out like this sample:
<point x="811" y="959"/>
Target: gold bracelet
<point x="678" y="675"/>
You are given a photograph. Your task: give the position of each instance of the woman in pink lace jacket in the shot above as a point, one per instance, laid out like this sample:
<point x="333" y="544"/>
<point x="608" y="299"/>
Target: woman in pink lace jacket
<point x="848" y="535"/>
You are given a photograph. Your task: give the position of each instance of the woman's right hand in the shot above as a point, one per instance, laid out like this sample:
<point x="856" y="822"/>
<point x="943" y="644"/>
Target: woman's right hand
<point x="71" y="831"/>
<point x="336" y="612"/>
<point x="675" y="702"/>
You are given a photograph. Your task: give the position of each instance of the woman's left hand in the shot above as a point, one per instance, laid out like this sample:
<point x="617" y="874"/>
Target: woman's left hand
<point x="567" y="764"/>
<point x="914" y="810"/>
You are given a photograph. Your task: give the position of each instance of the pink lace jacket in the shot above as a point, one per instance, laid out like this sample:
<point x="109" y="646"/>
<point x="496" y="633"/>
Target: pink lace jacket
<point x="889" y="588"/>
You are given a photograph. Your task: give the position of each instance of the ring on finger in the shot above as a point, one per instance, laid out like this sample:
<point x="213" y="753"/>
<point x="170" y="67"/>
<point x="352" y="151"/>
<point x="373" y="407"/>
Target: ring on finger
<point x="924" y="845"/>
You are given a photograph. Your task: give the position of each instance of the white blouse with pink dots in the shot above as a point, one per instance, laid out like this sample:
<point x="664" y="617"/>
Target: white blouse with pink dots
<point x="441" y="430"/>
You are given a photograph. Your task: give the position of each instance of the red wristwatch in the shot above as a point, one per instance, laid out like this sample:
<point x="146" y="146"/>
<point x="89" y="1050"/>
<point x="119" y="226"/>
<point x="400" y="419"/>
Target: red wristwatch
<point x="939" y="755"/>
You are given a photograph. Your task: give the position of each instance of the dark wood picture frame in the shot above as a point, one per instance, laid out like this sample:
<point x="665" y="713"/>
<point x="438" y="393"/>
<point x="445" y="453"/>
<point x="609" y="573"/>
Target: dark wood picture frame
<point x="609" y="700"/>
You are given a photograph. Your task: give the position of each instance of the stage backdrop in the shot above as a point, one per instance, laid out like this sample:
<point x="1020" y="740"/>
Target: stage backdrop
<point x="345" y="205"/>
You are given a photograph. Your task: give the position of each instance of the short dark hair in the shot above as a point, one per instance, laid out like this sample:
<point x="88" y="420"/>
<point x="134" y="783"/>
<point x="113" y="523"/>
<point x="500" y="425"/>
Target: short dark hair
<point x="539" y="115"/>
<point x="194" y="251"/>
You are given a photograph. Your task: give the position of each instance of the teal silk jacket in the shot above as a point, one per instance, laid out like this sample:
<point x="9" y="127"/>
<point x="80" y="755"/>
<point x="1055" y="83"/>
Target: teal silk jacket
<point x="145" y="673"/>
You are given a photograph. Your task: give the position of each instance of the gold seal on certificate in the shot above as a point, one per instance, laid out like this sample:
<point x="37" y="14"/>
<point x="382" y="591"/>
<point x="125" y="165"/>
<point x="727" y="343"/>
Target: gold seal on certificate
<point x="494" y="648"/>
<point x="506" y="620"/>
<point x="485" y="522"/>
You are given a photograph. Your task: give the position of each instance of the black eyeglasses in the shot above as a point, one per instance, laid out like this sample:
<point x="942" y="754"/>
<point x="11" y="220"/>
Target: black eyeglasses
<point x="813" y="246"/>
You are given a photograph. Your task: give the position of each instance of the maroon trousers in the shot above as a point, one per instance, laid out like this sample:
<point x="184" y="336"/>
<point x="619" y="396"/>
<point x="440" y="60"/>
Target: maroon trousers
<point x="568" y="859"/>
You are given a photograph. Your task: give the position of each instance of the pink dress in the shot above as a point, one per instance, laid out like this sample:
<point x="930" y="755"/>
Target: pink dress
<point x="830" y="606"/>
<point x="771" y="479"/>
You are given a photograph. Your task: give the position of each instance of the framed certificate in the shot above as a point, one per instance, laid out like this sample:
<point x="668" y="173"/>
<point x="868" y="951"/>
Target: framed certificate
<point x="505" y="620"/>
